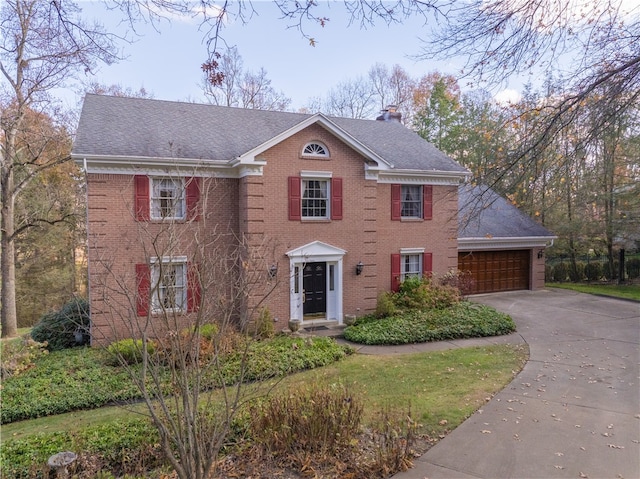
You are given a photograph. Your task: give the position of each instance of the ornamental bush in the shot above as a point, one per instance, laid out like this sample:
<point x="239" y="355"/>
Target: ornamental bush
<point x="593" y="271"/>
<point x="128" y="350"/>
<point x="560" y="272"/>
<point x="58" y="329"/>
<point x="633" y="268"/>
<point x="417" y="293"/>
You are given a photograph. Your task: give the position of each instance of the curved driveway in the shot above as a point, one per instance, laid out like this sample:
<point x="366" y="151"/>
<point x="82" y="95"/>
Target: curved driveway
<point x="573" y="411"/>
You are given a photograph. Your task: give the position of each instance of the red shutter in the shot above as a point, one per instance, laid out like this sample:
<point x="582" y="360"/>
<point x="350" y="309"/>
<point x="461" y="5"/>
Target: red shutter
<point x="141" y="184"/>
<point x="395" y="272"/>
<point x="193" y="197"/>
<point x="295" y="198"/>
<point x="427" y="265"/>
<point x="336" y="198"/>
<point x="427" y="202"/>
<point x="396" y="202"/>
<point x="143" y="285"/>
<point x="194" y="289"/>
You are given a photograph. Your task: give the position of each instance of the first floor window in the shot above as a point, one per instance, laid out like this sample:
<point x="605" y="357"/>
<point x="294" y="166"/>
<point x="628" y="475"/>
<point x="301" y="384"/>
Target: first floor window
<point x="409" y="263"/>
<point x="411" y="266"/>
<point x="169" y="278"/>
<point x="315" y="195"/>
<point x="167" y="198"/>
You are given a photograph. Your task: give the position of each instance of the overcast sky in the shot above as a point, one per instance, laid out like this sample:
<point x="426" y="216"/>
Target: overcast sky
<point x="167" y="62"/>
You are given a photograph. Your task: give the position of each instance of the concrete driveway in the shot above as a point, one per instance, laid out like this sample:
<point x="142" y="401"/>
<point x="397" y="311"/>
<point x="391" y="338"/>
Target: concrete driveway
<point x="573" y="411"/>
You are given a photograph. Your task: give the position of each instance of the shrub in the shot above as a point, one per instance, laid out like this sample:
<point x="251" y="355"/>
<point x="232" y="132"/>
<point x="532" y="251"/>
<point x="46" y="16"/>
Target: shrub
<point x="58" y="329"/>
<point x="264" y="325"/>
<point x="548" y="273"/>
<point x="464" y="320"/>
<point x="309" y="419"/>
<point x="416" y="293"/>
<point x="19" y="356"/>
<point x="593" y="271"/>
<point x="129" y="351"/>
<point x="560" y="272"/>
<point x="609" y="273"/>
<point x="120" y="447"/>
<point x="385" y="306"/>
<point x="576" y="274"/>
<point x="633" y="268"/>
<point x="462" y="280"/>
<point x="208" y="330"/>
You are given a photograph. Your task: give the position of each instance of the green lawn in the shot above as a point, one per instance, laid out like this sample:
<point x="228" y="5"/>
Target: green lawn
<point x="618" y="291"/>
<point x="440" y="388"/>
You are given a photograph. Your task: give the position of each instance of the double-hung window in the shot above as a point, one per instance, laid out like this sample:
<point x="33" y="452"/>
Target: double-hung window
<point x="411" y="202"/>
<point x="410" y="263"/>
<point x="411" y="266"/>
<point x="169" y="280"/>
<point x="315" y="198"/>
<point x="163" y="198"/>
<point x="167" y="198"/>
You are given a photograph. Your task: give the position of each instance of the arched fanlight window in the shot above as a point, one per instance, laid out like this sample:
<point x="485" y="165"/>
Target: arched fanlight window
<point x="315" y="149"/>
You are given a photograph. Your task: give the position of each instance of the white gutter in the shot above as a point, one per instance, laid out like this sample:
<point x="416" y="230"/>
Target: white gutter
<point x="490" y="243"/>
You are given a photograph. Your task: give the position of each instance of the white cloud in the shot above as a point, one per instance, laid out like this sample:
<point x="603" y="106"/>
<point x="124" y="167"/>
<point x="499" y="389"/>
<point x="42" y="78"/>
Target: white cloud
<point x="507" y="96"/>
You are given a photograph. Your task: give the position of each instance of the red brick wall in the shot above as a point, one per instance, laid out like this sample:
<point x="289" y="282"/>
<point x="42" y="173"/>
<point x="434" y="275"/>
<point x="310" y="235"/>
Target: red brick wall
<point x="117" y="242"/>
<point x="366" y="231"/>
<point x="255" y="209"/>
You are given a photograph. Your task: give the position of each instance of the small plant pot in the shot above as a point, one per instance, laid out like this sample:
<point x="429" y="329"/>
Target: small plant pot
<point x="294" y="325"/>
<point x="349" y="319"/>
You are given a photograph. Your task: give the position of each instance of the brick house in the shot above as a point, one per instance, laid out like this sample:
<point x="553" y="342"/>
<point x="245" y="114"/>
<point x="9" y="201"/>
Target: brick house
<point x="339" y="209"/>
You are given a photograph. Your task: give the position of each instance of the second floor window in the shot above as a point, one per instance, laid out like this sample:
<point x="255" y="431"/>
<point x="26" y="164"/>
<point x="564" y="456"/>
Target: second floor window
<point x="167" y="198"/>
<point x="315" y="195"/>
<point x="411" y="201"/>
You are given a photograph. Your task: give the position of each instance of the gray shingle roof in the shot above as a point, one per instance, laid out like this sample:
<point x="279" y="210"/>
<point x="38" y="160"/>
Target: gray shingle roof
<point x="135" y="127"/>
<point x="485" y="214"/>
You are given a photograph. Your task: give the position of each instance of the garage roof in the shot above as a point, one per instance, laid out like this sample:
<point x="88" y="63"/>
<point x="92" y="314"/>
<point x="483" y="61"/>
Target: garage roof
<point x="486" y="219"/>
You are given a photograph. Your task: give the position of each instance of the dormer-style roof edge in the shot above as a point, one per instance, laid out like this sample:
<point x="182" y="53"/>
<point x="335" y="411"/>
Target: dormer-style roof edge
<point x="325" y="123"/>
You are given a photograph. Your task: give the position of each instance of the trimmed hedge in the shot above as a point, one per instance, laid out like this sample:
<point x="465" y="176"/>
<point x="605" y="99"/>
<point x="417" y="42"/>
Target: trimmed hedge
<point x="462" y="320"/>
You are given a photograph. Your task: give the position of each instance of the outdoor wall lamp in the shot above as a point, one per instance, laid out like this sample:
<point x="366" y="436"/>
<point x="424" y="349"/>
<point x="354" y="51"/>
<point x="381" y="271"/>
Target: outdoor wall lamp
<point x="273" y="270"/>
<point x="540" y="254"/>
<point x="359" y="268"/>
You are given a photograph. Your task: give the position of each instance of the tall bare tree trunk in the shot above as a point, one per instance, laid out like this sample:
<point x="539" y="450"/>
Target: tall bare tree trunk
<point x="7" y="253"/>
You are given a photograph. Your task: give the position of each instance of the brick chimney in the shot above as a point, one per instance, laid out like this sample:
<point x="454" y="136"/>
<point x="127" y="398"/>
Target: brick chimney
<point x="391" y="113"/>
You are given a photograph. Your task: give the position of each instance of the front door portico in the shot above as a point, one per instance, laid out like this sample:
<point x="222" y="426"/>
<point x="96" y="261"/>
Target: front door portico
<point x="316" y="282"/>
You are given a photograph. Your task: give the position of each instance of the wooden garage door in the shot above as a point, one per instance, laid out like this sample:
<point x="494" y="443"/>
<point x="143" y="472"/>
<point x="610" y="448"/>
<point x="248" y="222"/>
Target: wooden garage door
<point x="494" y="271"/>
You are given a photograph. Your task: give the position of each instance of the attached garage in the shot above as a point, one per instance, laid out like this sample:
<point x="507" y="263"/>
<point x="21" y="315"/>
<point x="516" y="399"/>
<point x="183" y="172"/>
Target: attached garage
<point x="494" y="271"/>
<point x="500" y="246"/>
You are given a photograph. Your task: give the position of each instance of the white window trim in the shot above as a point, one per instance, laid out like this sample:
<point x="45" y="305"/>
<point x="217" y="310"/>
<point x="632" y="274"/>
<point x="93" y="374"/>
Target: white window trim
<point x="420" y="202"/>
<point x="412" y="252"/>
<point x="327" y="180"/>
<point x="320" y="175"/>
<point x="155" y="283"/>
<point x="182" y="198"/>
<point x="326" y="153"/>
